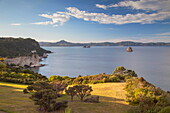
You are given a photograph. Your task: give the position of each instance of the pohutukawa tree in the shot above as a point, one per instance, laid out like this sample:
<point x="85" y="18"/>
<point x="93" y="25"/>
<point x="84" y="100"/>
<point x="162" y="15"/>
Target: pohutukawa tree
<point x="71" y="91"/>
<point x="80" y="91"/>
<point x="45" y="94"/>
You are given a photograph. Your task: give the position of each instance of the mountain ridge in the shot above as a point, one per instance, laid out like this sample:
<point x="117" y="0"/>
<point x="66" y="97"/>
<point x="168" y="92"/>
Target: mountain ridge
<point x="64" y="43"/>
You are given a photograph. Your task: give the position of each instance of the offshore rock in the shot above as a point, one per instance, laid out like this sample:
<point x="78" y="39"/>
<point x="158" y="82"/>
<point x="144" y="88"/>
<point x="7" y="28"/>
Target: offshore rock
<point x="129" y="49"/>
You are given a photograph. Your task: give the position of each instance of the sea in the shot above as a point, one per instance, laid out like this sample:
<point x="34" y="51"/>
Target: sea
<point x="150" y="62"/>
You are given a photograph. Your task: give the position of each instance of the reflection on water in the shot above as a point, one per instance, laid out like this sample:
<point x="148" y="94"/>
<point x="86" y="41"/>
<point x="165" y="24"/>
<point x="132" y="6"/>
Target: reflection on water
<point x="152" y="63"/>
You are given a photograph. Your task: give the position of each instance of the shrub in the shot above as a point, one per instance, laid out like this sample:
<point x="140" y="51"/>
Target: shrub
<point x="119" y="69"/>
<point x="92" y="99"/>
<point x="114" y="78"/>
<point x="149" y="98"/>
<point x="68" y="110"/>
<point x="55" y="78"/>
<point x="2" y="66"/>
<point x="165" y="110"/>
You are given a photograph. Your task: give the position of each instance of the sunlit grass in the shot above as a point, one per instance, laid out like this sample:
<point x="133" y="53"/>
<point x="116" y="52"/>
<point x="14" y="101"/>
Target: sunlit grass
<point x="12" y="99"/>
<point x="112" y="97"/>
<point x="112" y="100"/>
<point x="13" y="85"/>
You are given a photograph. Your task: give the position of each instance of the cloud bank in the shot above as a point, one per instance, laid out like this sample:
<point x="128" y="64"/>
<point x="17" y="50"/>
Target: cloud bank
<point x="161" y="8"/>
<point x="158" y="5"/>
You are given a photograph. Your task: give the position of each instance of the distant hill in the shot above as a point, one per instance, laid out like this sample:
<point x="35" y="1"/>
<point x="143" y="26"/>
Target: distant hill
<point x="124" y="43"/>
<point x="13" y="47"/>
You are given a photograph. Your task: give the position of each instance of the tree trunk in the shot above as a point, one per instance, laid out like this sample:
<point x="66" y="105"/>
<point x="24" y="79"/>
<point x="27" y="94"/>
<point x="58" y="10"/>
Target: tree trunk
<point x="71" y="98"/>
<point x="81" y="99"/>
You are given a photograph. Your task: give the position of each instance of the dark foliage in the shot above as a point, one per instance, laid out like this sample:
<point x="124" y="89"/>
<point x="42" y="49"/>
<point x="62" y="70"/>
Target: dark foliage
<point x="71" y="91"/>
<point x="45" y="95"/>
<point x="80" y="91"/>
<point x="13" y="47"/>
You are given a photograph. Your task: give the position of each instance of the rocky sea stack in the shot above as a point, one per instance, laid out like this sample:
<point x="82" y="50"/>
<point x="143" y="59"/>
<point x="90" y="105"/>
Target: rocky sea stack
<point x="129" y="49"/>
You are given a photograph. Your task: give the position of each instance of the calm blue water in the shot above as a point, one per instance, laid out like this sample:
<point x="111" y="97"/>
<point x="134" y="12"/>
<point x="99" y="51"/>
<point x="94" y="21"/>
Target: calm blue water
<point x="152" y="63"/>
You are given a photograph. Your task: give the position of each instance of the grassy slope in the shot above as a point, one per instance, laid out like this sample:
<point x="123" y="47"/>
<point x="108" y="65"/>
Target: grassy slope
<point x="111" y="95"/>
<point x="12" y="99"/>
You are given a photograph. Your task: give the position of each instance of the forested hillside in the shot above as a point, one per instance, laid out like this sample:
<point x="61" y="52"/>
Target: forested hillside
<point x="13" y="47"/>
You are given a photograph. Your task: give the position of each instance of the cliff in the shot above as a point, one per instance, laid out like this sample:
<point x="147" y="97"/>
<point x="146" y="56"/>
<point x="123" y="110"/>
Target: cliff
<point x="25" y="61"/>
<point x="21" y="52"/>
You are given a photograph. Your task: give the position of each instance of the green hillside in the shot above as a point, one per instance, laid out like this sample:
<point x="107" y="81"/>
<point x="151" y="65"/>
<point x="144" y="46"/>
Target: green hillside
<point x="13" y="47"/>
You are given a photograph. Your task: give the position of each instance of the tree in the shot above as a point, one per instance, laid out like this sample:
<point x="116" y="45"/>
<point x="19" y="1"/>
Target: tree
<point x="119" y="70"/>
<point x="45" y="99"/>
<point x="71" y="91"/>
<point x="38" y="86"/>
<point x="82" y="91"/>
<point x="45" y="94"/>
<point x="59" y="87"/>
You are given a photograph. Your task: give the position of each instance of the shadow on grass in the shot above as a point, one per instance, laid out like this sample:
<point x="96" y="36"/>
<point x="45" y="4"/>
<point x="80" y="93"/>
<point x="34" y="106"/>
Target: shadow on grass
<point x="106" y="105"/>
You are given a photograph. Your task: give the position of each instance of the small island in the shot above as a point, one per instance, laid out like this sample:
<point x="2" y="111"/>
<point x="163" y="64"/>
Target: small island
<point x="86" y="46"/>
<point x="129" y="49"/>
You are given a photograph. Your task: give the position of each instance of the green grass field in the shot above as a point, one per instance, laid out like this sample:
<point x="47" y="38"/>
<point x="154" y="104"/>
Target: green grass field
<point x="112" y="95"/>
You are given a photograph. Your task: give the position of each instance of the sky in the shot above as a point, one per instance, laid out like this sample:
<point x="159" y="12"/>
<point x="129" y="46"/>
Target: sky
<point x="86" y="20"/>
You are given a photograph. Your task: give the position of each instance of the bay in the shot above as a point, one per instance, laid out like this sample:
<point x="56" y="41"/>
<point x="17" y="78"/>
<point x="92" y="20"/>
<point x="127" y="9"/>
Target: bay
<point x="152" y="63"/>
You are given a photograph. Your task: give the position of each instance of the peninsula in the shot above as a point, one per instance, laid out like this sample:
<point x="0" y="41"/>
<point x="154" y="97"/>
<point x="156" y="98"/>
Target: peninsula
<point x="21" y="52"/>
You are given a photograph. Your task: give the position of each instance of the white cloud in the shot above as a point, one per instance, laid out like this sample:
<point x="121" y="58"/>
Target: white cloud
<point x="15" y="24"/>
<point x="117" y="19"/>
<point x="43" y="23"/>
<point x="158" y="5"/>
<point x="161" y="9"/>
<point x="101" y="6"/>
<point x="57" y="19"/>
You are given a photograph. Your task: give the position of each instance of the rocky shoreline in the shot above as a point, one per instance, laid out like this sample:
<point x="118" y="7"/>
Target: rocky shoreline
<point x="26" y="61"/>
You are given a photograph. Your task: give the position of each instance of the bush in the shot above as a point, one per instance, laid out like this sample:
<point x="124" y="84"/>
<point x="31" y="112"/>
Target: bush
<point x="55" y="78"/>
<point x="2" y="66"/>
<point x="25" y="91"/>
<point x="119" y="69"/>
<point x="120" y="74"/>
<point x="165" y="110"/>
<point x="21" y="76"/>
<point x="68" y="110"/>
<point x="92" y="99"/>
<point x="113" y="78"/>
<point x="149" y="98"/>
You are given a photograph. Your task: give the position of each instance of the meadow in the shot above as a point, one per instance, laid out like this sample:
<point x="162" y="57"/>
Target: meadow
<point x="111" y="95"/>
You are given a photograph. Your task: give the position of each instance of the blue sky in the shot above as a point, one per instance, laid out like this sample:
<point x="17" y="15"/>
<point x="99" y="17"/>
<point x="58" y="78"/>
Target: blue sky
<point x="86" y="20"/>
